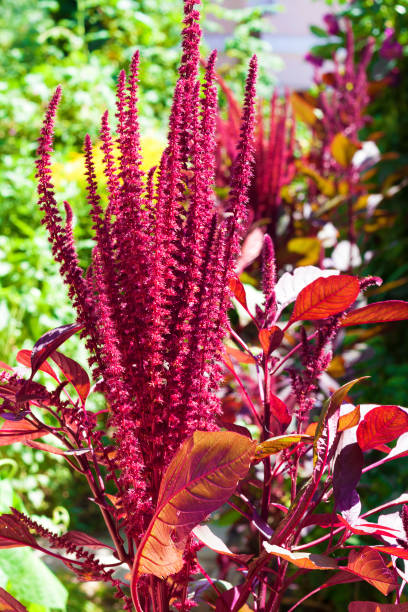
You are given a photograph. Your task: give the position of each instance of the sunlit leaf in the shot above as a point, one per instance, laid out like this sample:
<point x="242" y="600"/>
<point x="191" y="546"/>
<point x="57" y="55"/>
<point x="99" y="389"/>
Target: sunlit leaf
<point x="311" y="561"/>
<point x="279" y="412"/>
<point x="239" y="355"/>
<point x="279" y="443"/>
<point x="238" y="290"/>
<point x="24" y="358"/>
<point x="325" y="297"/>
<point x="343" y="149"/>
<point x="270" y="338"/>
<point x="210" y="539"/>
<point x="21" y="431"/>
<point x="325" y="185"/>
<point x="369" y="565"/>
<point x="200" y="478"/>
<point x="381" y="425"/>
<point x="49" y="342"/>
<point x="79" y="538"/>
<point x="379" y="312"/>
<point x="73" y="372"/>
<point x="351" y="419"/>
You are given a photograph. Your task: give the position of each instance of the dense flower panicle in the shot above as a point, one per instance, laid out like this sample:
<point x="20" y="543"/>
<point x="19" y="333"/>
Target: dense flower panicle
<point x="268" y="280"/>
<point x="154" y="301"/>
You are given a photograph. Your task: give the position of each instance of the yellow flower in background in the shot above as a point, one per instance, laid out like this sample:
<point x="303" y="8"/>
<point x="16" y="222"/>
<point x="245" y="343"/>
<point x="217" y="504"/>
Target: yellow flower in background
<point x="71" y="171"/>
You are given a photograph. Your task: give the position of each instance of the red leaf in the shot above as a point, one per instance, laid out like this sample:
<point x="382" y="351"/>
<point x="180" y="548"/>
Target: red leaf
<point x="325" y="297"/>
<point x="372" y="606"/>
<point x="24" y="358"/>
<point x="402" y="553"/>
<point x="13" y="533"/>
<point x="73" y="372"/>
<point x="280" y="412"/>
<point x="9" y="604"/>
<point x="5" y="366"/>
<point x="201" y="477"/>
<point x="270" y="339"/>
<point x="49" y="342"/>
<point x="381" y="425"/>
<point x="239" y="355"/>
<point x="80" y="538"/>
<point x="369" y="565"/>
<point x="20" y="431"/>
<point x="238" y="290"/>
<point x="379" y="312"/>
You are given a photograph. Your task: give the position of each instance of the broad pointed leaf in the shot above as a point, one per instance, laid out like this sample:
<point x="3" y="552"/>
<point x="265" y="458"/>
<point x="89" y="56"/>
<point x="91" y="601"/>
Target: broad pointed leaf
<point x="79" y="538"/>
<point x="381" y="425"/>
<point x="73" y="372"/>
<point x="210" y="539"/>
<point x="49" y="342"/>
<point x="9" y="604"/>
<point x="238" y="290"/>
<point x="379" y="312"/>
<point x="13" y="533"/>
<point x="280" y="412"/>
<point x="351" y="419"/>
<point x="346" y="475"/>
<point x="311" y="561"/>
<point x="21" y="431"/>
<point x="24" y="358"/>
<point x="239" y="355"/>
<point x="200" y="478"/>
<point x="270" y="339"/>
<point x="279" y="443"/>
<point x="369" y="565"/>
<point x="325" y="297"/>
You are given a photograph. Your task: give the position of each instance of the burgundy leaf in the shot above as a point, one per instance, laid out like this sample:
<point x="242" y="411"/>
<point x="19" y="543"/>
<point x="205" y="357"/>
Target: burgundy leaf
<point x="9" y="604"/>
<point x="24" y="358"/>
<point x="73" y="372"/>
<point x="79" y="538"/>
<point x="13" y="533"/>
<point x="270" y="338"/>
<point x="49" y="342"/>
<point x="280" y="413"/>
<point x="346" y="475"/>
<point x="325" y="297"/>
<point x="22" y="431"/>
<point x="370" y="566"/>
<point x="379" y="312"/>
<point x="381" y="425"/>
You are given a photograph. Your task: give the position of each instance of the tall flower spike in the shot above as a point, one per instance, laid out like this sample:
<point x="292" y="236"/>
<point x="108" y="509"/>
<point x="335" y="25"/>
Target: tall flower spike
<point x="242" y="169"/>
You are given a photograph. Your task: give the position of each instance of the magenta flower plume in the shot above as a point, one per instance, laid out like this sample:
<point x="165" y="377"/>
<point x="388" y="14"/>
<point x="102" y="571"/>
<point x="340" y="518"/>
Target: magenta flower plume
<point x="153" y="303"/>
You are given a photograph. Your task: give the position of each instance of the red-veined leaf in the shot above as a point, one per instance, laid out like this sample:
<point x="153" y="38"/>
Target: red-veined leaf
<point x="311" y="561"/>
<point x="381" y="425"/>
<point x="370" y="566"/>
<point x="325" y="297"/>
<point x="379" y="312"/>
<point x="73" y="372"/>
<point x="238" y="290"/>
<point x="21" y="431"/>
<point x="402" y="553"/>
<point x="270" y="339"/>
<point x="363" y="527"/>
<point x="351" y="419"/>
<point x="201" y="477"/>
<point x="372" y="606"/>
<point x="49" y="342"/>
<point x="13" y="533"/>
<point x="9" y="604"/>
<point x="24" y="358"/>
<point x="279" y="443"/>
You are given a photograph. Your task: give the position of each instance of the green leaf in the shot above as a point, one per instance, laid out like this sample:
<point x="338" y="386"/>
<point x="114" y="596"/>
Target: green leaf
<point x="30" y="580"/>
